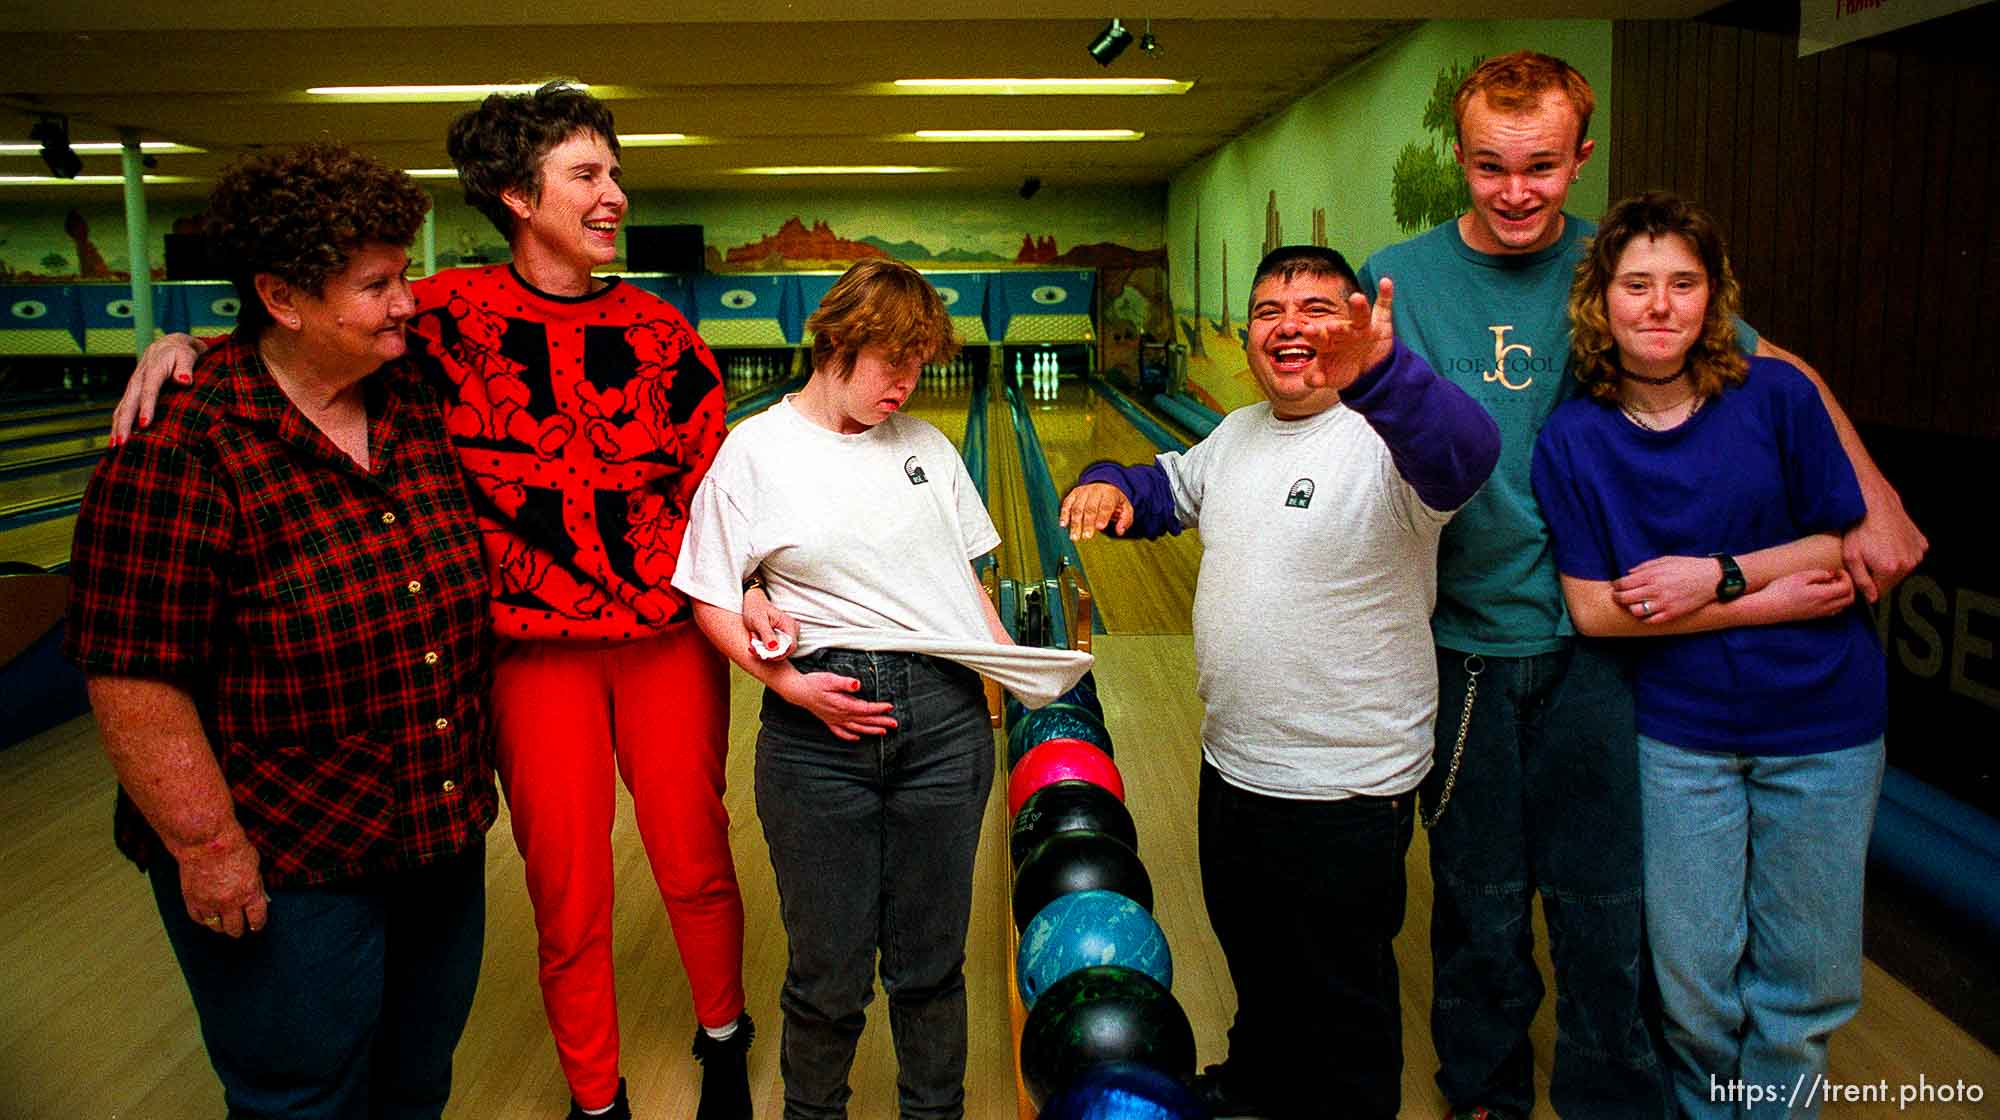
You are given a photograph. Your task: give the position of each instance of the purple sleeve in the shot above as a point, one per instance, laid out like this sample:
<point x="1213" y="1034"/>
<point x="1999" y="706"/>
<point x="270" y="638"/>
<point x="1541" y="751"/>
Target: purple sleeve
<point x="1145" y="486"/>
<point x="1443" y="443"/>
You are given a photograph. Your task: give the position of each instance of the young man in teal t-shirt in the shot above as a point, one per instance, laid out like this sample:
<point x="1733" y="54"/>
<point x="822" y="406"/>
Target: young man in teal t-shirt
<point x="1540" y="792"/>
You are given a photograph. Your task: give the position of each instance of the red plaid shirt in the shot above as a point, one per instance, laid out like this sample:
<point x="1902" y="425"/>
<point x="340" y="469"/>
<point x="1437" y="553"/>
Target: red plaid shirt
<point x="330" y="623"/>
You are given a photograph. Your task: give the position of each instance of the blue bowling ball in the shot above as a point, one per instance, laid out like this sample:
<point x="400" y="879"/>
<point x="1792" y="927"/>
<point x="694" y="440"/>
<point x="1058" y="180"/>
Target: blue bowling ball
<point x="1124" y="1091"/>
<point x="1087" y="928"/>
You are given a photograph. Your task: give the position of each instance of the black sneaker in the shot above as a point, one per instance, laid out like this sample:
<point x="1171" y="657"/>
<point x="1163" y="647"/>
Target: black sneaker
<point x="1213" y="1087"/>
<point x="725" y="1072"/>
<point x="621" y="1109"/>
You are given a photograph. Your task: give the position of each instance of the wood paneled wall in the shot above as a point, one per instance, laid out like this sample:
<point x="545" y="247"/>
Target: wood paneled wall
<point x="1857" y="188"/>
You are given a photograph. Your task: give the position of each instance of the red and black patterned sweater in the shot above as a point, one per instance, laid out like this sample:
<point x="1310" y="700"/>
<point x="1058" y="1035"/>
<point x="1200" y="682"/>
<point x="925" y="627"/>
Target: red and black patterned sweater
<point x="584" y="425"/>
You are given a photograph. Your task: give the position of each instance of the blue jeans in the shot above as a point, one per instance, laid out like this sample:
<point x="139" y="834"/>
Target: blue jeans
<point x="348" y="1004"/>
<point x="1306" y="898"/>
<point x="873" y="844"/>
<point x="1546" y="801"/>
<point x="1753" y="889"/>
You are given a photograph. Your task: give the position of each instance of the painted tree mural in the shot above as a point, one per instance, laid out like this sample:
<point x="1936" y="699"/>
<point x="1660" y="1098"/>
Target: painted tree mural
<point x="1426" y="189"/>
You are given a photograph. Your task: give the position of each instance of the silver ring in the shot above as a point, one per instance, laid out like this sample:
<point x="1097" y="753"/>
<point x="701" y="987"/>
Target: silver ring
<point x="1646" y="606"/>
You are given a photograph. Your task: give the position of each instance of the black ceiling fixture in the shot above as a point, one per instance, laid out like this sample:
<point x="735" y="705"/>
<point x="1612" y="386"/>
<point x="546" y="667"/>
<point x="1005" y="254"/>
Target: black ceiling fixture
<point x="1110" y="43"/>
<point x="52" y="133"/>
<point x="1030" y="185"/>
<point x="1147" y="44"/>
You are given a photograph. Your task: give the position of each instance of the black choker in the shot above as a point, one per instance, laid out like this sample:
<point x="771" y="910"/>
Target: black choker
<point x="1644" y="380"/>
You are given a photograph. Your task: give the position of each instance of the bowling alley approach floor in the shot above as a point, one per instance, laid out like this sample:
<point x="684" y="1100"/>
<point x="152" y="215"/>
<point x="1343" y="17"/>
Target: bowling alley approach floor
<point x="95" y="1022"/>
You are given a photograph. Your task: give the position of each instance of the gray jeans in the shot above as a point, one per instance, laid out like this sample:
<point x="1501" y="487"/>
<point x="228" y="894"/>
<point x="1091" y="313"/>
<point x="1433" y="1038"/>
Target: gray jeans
<point x="873" y="845"/>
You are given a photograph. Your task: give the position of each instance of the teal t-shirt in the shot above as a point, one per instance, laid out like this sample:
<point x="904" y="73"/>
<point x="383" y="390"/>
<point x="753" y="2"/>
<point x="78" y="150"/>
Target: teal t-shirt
<point x="1498" y="327"/>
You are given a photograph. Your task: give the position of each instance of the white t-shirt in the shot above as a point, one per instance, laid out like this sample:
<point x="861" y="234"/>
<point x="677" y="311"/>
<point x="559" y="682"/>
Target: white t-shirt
<point x="866" y="540"/>
<point x="1312" y="612"/>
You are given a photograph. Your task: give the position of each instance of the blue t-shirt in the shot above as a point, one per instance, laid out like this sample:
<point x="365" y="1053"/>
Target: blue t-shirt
<point x="1498" y="326"/>
<point x="1758" y="466"/>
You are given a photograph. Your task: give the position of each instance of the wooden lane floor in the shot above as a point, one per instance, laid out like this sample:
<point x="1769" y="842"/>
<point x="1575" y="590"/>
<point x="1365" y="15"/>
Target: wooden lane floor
<point x="70" y="423"/>
<point x="77" y="445"/>
<point x="12" y="411"/>
<point x="95" y="1021"/>
<point x="17" y="494"/>
<point x="1141" y="587"/>
<point x="44" y="543"/>
<point x="1007" y="494"/>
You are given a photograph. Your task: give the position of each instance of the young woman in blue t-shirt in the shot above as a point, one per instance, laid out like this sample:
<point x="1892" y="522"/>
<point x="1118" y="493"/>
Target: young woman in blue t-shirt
<point x="1696" y="497"/>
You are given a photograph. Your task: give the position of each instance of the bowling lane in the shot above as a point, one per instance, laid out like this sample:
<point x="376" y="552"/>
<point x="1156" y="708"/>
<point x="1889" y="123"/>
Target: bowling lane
<point x="44" y="544"/>
<point x="94" y="420"/>
<point x="26" y="453"/>
<point x="22" y="493"/>
<point x="1141" y="587"/>
<point x="941" y="402"/>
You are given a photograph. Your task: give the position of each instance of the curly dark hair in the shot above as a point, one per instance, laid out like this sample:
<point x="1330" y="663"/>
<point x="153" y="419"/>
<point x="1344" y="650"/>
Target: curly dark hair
<point x="882" y="303"/>
<point x="1716" y="361"/>
<point x="499" y="146"/>
<point x="299" y="214"/>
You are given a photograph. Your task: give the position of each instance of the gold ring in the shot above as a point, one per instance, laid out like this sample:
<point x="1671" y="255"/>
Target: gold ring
<point x="213" y="921"/>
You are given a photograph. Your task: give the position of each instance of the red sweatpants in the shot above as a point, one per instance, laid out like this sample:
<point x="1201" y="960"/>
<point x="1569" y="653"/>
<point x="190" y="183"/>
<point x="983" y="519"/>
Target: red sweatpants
<point x="658" y="711"/>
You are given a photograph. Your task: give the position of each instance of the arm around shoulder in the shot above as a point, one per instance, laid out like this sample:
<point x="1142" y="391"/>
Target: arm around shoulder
<point x="1886" y="544"/>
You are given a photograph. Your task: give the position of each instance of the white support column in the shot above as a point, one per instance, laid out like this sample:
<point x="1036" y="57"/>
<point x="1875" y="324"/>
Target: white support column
<point x="138" y="241"/>
<point x="431" y="239"/>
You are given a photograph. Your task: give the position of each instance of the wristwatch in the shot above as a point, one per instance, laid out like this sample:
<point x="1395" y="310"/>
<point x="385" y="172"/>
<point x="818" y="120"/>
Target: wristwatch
<point x="1732" y="583"/>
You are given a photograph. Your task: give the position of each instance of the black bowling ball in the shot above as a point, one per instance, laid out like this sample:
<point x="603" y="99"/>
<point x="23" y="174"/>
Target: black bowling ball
<point x="1104" y="1013"/>
<point x="1071" y="806"/>
<point x="1078" y="861"/>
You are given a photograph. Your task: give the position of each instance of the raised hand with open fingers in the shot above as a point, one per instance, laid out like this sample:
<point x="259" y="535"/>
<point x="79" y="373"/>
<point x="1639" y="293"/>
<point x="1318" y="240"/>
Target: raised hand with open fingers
<point x="1351" y="345"/>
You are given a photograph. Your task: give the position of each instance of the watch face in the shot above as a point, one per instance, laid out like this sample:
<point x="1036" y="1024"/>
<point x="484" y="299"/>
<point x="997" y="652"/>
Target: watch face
<point x="1732" y="583"/>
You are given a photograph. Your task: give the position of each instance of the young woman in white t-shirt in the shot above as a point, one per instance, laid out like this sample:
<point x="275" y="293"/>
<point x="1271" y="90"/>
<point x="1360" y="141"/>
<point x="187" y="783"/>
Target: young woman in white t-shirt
<point x="874" y="762"/>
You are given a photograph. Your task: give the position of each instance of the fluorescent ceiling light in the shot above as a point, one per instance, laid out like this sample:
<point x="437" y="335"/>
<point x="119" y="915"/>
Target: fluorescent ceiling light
<point x="431" y="172"/>
<point x="1045" y="87"/>
<point x="881" y="169"/>
<point x="90" y="147"/>
<point x="87" y="180"/>
<point x="654" y="139"/>
<point x="461" y="92"/>
<point x="1026" y="134"/>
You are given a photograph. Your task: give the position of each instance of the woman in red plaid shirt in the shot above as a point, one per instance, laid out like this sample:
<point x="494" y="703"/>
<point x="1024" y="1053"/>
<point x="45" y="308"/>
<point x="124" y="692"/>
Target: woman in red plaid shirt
<point x="280" y="605"/>
<point x="585" y="411"/>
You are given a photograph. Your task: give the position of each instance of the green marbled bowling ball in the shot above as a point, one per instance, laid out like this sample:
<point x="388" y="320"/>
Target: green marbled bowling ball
<point x="1056" y="721"/>
<point x="1104" y="1013"/>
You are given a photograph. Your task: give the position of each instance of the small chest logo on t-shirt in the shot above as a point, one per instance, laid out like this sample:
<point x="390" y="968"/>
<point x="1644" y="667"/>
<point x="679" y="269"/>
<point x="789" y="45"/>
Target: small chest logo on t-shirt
<point x="915" y="472"/>
<point x="1301" y="494"/>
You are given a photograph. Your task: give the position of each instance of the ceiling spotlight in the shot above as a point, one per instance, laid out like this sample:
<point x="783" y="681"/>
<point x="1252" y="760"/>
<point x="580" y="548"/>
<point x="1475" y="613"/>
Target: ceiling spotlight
<point x="1110" y="43"/>
<point x="52" y="132"/>
<point x="1148" y="44"/>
